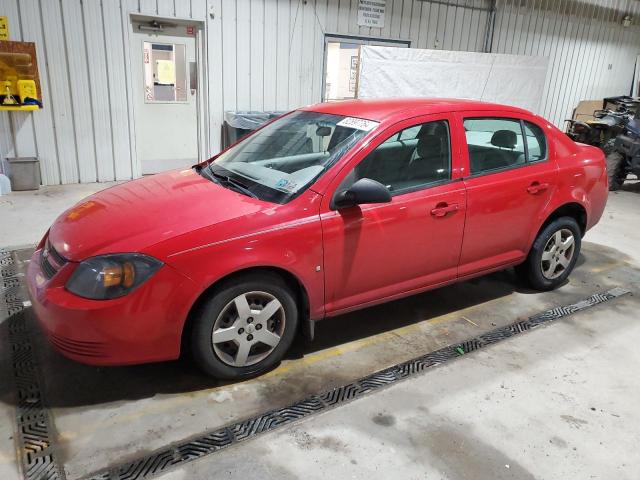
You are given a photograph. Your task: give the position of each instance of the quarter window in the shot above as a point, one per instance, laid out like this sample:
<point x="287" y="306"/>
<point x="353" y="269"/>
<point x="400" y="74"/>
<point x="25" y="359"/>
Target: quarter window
<point x="536" y="142"/>
<point x="410" y="159"/>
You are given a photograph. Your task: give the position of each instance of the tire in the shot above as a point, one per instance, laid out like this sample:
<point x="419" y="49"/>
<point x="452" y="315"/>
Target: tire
<point x="239" y="324"/>
<point x="616" y="170"/>
<point x="540" y="273"/>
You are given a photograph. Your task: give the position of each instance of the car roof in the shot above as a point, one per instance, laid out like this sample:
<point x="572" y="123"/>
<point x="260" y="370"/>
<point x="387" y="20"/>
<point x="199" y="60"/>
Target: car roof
<point x="380" y="109"/>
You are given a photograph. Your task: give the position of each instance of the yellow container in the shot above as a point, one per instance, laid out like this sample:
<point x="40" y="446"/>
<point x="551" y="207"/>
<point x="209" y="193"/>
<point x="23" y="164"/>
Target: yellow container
<point x="27" y="88"/>
<point x="8" y="93"/>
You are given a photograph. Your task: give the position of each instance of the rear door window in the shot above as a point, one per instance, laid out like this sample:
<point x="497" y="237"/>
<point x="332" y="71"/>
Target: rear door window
<point x="494" y="143"/>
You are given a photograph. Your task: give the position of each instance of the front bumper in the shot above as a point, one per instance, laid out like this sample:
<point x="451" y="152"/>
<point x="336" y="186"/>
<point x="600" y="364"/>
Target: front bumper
<point x="144" y="326"/>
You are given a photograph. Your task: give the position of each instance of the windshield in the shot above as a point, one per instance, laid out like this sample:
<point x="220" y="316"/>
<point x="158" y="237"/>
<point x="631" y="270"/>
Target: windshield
<point x="281" y="160"/>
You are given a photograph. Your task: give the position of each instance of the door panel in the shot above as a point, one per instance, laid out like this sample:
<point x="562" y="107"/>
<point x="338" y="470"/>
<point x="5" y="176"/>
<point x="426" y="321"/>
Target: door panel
<point x="165" y="96"/>
<point x="501" y="206"/>
<point x="378" y="251"/>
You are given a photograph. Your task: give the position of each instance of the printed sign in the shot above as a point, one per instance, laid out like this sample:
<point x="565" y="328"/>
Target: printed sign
<point x="353" y="73"/>
<point x="371" y="13"/>
<point x="357" y="123"/>
<point x="4" y="28"/>
<point x="166" y="72"/>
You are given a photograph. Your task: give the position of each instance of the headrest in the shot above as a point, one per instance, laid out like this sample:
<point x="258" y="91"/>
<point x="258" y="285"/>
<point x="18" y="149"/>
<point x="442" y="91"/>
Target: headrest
<point x="428" y="146"/>
<point x="504" y="139"/>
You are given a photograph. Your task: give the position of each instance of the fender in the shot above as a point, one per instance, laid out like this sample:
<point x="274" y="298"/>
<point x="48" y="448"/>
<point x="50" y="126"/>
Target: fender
<point x="582" y="180"/>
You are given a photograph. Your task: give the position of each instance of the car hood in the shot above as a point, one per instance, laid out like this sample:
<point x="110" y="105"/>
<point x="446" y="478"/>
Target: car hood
<point x="135" y="215"/>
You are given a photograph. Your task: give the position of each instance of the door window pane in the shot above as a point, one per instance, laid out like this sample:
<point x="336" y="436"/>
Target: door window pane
<point x="410" y="159"/>
<point x="536" y="142"/>
<point x="165" y="72"/>
<point x="494" y="143"/>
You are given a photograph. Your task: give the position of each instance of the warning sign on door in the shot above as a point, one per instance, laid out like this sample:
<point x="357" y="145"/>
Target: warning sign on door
<point x="371" y="13"/>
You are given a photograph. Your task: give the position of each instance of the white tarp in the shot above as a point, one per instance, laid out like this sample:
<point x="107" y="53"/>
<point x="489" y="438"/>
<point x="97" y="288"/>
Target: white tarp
<point x="516" y="80"/>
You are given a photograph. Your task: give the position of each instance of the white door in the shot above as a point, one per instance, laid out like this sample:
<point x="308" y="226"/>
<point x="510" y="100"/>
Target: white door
<point x="165" y="96"/>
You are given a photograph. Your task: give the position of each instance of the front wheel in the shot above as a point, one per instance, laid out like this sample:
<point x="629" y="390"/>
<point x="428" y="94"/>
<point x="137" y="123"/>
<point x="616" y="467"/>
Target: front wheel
<point x="245" y="327"/>
<point x="553" y="255"/>
<point x="616" y="170"/>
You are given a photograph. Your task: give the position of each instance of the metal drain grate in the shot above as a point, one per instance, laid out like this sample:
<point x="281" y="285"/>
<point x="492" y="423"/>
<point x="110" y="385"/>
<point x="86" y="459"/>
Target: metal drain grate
<point x="34" y="427"/>
<point x="211" y="442"/>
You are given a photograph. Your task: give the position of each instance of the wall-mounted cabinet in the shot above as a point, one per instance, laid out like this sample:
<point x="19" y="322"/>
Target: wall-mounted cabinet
<point x="19" y="79"/>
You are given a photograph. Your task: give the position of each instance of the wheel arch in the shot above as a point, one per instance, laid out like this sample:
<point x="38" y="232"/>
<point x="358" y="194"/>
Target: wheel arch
<point x="570" y="209"/>
<point x="291" y="280"/>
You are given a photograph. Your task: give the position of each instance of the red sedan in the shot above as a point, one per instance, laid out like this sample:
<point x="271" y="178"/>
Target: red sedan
<point x="328" y="209"/>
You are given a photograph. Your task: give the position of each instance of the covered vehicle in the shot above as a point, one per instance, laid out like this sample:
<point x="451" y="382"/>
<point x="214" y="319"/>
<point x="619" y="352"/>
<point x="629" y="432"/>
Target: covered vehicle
<point x="328" y="209"/>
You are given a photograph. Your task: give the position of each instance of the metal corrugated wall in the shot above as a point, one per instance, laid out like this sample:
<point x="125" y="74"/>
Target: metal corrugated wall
<point x="268" y="55"/>
<point x="591" y="55"/>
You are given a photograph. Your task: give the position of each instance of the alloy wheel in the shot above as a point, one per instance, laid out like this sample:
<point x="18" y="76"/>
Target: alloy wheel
<point x="557" y="254"/>
<point x="248" y="329"/>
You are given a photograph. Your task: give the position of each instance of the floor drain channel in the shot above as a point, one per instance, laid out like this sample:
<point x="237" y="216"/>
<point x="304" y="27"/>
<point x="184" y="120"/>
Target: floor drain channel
<point x="214" y="441"/>
<point x="34" y="427"/>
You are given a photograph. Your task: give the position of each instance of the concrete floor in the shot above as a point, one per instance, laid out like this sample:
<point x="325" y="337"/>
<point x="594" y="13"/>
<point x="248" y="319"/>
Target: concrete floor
<point x="553" y="403"/>
<point x="26" y="216"/>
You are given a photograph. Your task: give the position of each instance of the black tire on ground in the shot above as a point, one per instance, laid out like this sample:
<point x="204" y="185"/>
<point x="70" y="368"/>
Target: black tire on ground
<point x="616" y="170"/>
<point x="531" y="271"/>
<point x="203" y="351"/>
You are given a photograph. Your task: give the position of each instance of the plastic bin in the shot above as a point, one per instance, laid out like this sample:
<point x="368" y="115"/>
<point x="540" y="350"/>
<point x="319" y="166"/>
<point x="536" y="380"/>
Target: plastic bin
<point x="24" y="173"/>
<point x="238" y="124"/>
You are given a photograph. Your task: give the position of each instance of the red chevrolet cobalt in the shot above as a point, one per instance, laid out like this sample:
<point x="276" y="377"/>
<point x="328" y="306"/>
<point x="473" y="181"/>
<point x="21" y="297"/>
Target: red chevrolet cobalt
<point x="327" y="209"/>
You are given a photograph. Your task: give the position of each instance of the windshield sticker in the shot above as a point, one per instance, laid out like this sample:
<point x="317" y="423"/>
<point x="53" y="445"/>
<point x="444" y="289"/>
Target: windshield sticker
<point x="286" y="185"/>
<point x="357" y="123"/>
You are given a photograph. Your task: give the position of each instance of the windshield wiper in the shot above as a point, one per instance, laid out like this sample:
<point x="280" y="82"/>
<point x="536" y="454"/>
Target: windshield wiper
<point x="233" y="183"/>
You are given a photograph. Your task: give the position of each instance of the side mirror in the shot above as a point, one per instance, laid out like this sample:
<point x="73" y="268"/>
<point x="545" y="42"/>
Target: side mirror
<point x="363" y="191"/>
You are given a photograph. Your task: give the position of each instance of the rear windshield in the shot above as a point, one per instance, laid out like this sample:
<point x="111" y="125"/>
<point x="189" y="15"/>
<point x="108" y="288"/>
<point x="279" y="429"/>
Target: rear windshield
<point x="281" y="160"/>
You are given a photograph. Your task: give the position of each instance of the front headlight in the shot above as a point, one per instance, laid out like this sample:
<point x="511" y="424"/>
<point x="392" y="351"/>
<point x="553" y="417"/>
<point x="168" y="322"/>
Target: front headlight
<point x="111" y="276"/>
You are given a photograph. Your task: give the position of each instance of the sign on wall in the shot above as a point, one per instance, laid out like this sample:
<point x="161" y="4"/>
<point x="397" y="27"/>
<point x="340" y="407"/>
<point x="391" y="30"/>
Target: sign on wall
<point x="353" y="73"/>
<point x="371" y="13"/>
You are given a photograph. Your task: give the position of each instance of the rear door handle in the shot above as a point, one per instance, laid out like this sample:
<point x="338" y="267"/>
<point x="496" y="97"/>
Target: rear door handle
<point x="443" y="208"/>
<point x="537" y="187"/>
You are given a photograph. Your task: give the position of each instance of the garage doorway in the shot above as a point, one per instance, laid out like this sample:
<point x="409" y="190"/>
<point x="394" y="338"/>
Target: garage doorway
<point x="166" y="83"/>
<point x="341" y="59"/>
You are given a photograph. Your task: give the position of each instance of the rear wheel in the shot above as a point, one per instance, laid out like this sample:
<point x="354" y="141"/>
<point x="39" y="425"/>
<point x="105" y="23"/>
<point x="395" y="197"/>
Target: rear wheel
<point x="245" y="327"/>
<point x="616" y="170"/>
<point x="553" y="254"/>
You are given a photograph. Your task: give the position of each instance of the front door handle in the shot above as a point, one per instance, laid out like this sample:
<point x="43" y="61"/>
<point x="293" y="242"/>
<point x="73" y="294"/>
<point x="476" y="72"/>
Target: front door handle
<point x="443" y="208"/>
<point x="537" y="187"/>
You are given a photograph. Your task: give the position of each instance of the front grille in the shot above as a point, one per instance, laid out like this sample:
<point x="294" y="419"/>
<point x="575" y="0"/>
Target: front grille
<point x="50" y="260"/>
<point x="47" y="268"/>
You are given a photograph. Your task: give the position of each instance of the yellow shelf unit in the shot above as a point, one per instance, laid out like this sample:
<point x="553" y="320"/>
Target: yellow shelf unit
<point x="18" y="108"/>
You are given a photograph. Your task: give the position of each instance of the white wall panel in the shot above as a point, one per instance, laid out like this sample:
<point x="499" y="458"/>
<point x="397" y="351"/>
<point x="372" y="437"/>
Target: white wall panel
<point x="268" y="54"/>
<point x="99" y="90"/>
<point x="591" y="54"/>
<point x="80" y="95"/>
